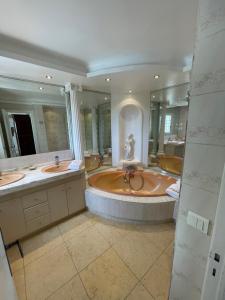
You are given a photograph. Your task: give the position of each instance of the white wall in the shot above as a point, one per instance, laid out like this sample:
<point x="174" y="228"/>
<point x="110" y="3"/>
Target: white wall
<point x="142" y="102"/>
<point x="205" y="151"/>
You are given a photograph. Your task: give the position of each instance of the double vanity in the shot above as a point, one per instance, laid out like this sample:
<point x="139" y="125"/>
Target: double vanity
<point x="34" y="199"/>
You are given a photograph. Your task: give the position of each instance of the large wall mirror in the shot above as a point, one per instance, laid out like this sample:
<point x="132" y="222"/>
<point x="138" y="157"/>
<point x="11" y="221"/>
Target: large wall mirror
<point x="33" y="118"/>
<point x="167" y="144"/>
<point x="95" y="109"/>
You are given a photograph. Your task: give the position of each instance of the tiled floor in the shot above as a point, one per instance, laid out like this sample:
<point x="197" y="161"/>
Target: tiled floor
<point x="87" y="257"/>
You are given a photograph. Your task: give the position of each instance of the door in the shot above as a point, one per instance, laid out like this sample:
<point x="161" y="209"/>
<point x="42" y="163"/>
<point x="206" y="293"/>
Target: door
<point x="24" y="132"/>
<point x="58" y="202"/>
<point x="214" y="282"/>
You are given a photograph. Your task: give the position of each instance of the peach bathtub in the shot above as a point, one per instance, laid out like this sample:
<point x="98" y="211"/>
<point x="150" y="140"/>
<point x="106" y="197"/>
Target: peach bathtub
<point x="92" y="162"/>
<point x="172" y="164"/>
<point x="113" y="182"/>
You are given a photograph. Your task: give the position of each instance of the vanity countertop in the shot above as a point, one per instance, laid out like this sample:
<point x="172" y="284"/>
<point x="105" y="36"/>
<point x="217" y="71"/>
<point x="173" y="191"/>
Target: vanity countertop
<point x="35" y="178"/>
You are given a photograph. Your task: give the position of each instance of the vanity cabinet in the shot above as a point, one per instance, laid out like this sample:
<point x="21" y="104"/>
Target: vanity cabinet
<point x="37" y="209"/>
<point x="58" y="202"/>
<point x="75" y="196"/>
<point x="12" y="220"/>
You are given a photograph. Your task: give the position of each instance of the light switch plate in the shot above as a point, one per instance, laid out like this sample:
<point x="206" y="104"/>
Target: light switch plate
<point x="198" y="222"/>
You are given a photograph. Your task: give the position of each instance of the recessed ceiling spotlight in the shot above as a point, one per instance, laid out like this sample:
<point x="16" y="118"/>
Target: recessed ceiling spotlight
<point x="48" y="76"/>
<point x="106" y="98"/>
<point x="130" y="91"/>
<point x="108" y="79"/>
<point x="41" y="88"/>
<point x="156" y="76"/>
<point x="153" y="96"/>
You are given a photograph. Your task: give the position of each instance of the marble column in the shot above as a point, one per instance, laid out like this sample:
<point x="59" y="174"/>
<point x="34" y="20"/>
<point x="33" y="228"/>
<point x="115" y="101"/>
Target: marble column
<point x="162" y="131"/>
<point x="94" y="131"/>
<point x="69" y="120"/>
<point x="77" y="138"/>
<point x="155" y="128"/>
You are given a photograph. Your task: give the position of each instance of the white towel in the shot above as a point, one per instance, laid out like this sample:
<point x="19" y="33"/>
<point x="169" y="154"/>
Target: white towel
<point x="75" y="165"/>
<point x="174" y="191"/>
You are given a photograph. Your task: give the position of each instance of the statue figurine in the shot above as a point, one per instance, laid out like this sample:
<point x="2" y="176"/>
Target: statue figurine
<point x="129" y="147"/>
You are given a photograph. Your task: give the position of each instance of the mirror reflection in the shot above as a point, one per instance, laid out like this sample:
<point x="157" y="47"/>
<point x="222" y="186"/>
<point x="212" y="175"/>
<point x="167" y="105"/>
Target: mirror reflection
<point x="95" y="109"/>
<point x="32" y="118"/>
<point x="169" y="114"/>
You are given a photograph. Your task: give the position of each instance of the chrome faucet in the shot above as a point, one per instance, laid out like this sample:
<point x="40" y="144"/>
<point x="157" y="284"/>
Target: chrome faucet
<point x="57" y="160"/>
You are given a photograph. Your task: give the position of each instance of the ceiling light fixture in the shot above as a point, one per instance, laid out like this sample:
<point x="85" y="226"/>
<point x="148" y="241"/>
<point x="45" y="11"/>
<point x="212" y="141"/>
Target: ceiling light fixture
<point x="130" y="91"/>
<point x="106" y="98"/>
<point x="153" y="96"/>
<point x="108" y="79"/>
<point x="41" y="88"/>
<point x="48" y="76"/>
<point x="156" y="76"/>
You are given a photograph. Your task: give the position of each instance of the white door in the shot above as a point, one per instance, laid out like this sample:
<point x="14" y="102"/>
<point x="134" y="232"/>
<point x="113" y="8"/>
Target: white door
<point x="214" y="282"/>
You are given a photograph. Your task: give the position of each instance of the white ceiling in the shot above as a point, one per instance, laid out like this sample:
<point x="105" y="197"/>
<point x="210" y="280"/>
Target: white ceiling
<point x="86" y="37"/>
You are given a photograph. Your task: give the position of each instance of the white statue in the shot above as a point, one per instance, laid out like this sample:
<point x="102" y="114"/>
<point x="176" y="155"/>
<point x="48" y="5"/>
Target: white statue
<point x="129" y="147"/>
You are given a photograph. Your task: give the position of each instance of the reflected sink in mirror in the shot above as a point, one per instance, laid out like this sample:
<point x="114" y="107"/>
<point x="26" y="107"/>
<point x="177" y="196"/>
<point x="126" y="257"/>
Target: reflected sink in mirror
<point x="8" y="178"/>
<point x="62" y="167"/>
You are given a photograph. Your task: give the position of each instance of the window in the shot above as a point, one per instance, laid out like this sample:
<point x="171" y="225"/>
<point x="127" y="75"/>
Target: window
<point x="168" y="124"/>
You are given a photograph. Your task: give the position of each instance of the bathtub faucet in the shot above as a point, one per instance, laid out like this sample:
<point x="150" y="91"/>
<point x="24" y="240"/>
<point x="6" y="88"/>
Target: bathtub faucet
<point x="57" y="160"/>
<point x="129" y="172"/>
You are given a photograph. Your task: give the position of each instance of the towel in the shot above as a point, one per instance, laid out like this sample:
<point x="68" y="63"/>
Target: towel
<point x="75" y="165"/>
<point x="174" y="191"/>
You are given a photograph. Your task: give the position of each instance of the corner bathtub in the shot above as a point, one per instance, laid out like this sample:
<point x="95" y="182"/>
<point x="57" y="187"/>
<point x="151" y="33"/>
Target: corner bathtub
<point x="171" y="163"/>
<point x="109" y="196"/>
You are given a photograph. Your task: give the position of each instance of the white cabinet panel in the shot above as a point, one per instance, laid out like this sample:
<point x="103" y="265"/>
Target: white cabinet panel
<point x="38" y="223"/>
<point x="34" y="199"/>
<point x="75" y="195"/>
<point x="58" y="202"/>
<point x="12" y="220"/>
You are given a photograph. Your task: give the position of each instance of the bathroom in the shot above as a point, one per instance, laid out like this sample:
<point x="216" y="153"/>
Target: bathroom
<point x="112" y="150"/>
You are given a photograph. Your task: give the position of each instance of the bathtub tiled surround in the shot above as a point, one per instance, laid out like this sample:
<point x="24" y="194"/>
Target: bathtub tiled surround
<point x="87" y="257"/>
<point x="205" y="151"/>
<point x="128" y="208"/>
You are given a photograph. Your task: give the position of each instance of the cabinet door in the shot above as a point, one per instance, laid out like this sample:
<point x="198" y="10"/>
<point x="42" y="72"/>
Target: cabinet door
<point x="58" y="202"/>
<point x="75" y="195"/>
<point x="12" y="220"/>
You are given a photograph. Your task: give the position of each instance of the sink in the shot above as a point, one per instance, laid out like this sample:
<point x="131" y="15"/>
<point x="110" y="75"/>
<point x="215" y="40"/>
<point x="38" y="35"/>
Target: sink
<point x="62" y="167"/>
<point x="8" y="178"/>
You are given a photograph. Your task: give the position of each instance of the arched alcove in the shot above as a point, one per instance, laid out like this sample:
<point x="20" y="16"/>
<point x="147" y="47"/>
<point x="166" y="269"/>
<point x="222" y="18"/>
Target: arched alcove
<point x="131" y="122"/>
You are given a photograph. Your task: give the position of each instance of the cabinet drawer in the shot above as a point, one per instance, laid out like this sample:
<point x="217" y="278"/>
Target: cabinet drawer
<point x="34" y="199"/>
<point x="38" y="223"/>
<point x="36" y="211"/>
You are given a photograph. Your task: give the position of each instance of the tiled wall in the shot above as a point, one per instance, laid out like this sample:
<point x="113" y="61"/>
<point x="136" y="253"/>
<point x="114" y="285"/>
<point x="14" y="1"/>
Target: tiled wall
<point x="56" y="127"/>
<point x="205" y="151"/>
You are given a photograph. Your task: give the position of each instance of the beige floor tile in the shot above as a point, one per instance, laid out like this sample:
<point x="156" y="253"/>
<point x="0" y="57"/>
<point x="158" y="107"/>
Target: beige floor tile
<point x="48" y="273"/>
<point x="157" y="282"/>
<point x="137" y="252"/>
<point x="170" y="250"/>
<point x="86" y="246"/>
<point x="139" y="293"/>
<point x="15" y="259"/>
<point x="110" y="232"/>
<point x="165" y="261"/>
<point x="76" y="224"/>
<point x="73" y="290"/>
<point x="108" y="278"/>
<point x="40" y="244"/>
<point x="161" y="235"/>
<point x="19" y="280"/>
